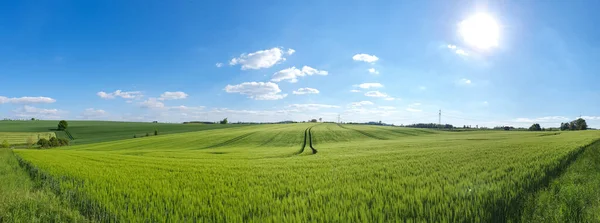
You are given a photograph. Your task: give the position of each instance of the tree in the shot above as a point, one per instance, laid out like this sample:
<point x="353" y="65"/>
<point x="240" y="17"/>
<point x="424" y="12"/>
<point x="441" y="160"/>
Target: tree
<point x="313" y="120"/>
<point x="535" y="127"/>
<point x="147" y="134"/>
<point x="580" y="124"/>
<point x="155" y="132"/>
<point x="63" y="142"/>
<point x="134" y="136"/>
<point x="224" y="121"/>
<point x="32" y="119"/>
<point x="5" y="144"/>
<point x="43" y="143"/>
<point x="320" y="119"/>
<point x="62" y="125"/>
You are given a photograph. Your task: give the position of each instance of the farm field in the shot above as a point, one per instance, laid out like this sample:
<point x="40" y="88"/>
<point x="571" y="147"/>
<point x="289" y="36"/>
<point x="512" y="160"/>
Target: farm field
<point x="308" y="172"/>
<point x="86" y="132"/>
<point x="22" y="137"/>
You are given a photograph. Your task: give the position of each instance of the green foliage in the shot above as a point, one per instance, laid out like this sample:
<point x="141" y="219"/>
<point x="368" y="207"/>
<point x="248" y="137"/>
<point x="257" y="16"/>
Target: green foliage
<point x="147" y="134"/>
<point x="361" y="174"/>
<point x="5" y="144"/>
<point x="535" y="127"/>
<point x="313" y="120"/>
<point x="578" y="124"/>
<point x="22" y="200"/>
<point x="62" y="125"/>
<point x="224" y="121"/>
<point x="53" y="142"/>
<point x="155" y="132"/>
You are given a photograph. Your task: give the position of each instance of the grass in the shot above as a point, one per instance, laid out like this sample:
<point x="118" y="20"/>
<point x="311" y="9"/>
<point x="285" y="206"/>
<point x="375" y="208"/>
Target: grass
<point x="573" y="197"/>
<point x="86" y="132"/>
<point x="256" y="173"/>
<point x="22" y="200"/>
<point x="22" y="137"/>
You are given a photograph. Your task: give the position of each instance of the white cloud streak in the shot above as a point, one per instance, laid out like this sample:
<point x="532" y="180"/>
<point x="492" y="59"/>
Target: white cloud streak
<point x="27" y="100"/>
<point x="365" y="58"/>
<point x="291" y="74"/>
<point x="261" y="59"/>
<point x="306" y="91"/>
<point x="257" y="90"/>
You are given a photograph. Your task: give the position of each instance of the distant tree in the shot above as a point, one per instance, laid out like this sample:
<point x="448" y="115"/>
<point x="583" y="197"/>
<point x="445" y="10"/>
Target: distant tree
<point x="224" y="121"/>
<point x="32" y="119"/>
<point x="155" y="132"/>
<point x="506" y="128"/>
<point x="535" y="127"/>
<point x="134" y="136"/>
<point x="147" y="134"/>
<point x="580" y="124"/>
<point x="54" y="142"/>
<point x="5" y="144"/>
<point x="43" y="143"/>
<point x="62" y="125"/>
<point x="313" y="120"/>
<point x="320" y="119"/>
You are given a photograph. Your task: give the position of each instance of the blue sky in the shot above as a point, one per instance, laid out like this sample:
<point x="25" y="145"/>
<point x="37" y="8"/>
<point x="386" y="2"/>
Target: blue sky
<point x="394" y="61"/>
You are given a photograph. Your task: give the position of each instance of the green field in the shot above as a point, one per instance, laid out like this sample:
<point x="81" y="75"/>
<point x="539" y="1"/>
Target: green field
<point x="86" y="132"/>
<point x="22" y="137"/>
<point x="270" y="173"/>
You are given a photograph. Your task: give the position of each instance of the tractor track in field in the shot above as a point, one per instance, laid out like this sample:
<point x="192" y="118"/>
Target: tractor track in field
<point x="307" y="137"/>
<point x="314" y="151"/>
<point x="364" y="133"/>
<point x="233" y="140"/>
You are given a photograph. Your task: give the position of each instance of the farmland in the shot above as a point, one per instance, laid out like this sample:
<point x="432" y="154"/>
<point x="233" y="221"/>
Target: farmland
<point x="85" y="132"/>
<point x="23" y="137"/>
<point x="270" y="173"/>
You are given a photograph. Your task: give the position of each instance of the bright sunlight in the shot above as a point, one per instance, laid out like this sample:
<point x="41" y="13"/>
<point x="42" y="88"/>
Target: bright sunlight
<point x="480" y="30"/>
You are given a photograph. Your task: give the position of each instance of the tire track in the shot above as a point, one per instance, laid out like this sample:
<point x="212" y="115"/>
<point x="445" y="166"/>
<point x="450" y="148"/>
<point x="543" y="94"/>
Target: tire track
<point x="304" y="142"/>
<point x="364" y="133"/>
<point x="221" y="144"/>
<point x="314" y="151"/>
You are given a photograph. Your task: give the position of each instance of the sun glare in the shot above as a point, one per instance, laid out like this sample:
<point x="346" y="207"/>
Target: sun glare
<point x="480" y="30"/>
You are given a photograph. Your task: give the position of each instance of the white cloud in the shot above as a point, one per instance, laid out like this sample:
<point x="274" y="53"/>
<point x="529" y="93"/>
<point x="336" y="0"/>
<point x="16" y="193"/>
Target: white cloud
<point x="122" y="94"/>
<point x="257" y="90"/>
<point x="450" y="46"/>
<point x="173" y="95"/>
<point x="293" y="73"/>
<point x="219" y="64"/>
<point x="365" y="58"/>
<point x="387" y="107"/>
<point x="376" y="94"/>
<point x="261" y="59"/>
<point x="355" y="91"/>
<point x="27" y="100"/>
<point x="152" y="103"/>
<point x="373" y="71"/>
<point x="413" y="110"/>
<point x="93" y="112"/>
<point x="414" y="107"/>
<point x="33" y="112"/>
<point x="311" y="107"/>
<point x="461" y="52"/>
<point x="369" y="85"/>
<point x="389" y="99"/>
<point x="422" y="88"/>
<point x="485" y="103"/>
<point x="306" y="91"/>
<point x="591" y="117"/>
<point x="547" y="119"/>
<point x="360" y="104"/>
<point x="464" y="81"/>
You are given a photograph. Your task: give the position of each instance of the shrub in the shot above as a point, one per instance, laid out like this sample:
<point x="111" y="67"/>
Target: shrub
<point x="62" y="125"/>
<point x="5" y="144"/>
<point x="155" y="132"/>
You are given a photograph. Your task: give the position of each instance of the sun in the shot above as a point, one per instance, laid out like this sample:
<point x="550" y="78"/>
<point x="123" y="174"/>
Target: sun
<point x="480" y="30"/>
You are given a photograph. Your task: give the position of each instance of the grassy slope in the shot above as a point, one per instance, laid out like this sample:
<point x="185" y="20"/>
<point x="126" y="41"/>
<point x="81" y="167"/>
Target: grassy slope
<point x="361" y="173"/>
<point x="86" y="132"/>
<point x="574" y="196"/>
<point x="22" y="201"/>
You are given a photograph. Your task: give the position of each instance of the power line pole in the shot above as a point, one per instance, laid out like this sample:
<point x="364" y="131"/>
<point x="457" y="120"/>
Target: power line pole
<point x="440" y="119"/>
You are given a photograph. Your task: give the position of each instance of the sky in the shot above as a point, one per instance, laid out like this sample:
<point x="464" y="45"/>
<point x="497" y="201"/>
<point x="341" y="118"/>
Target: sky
<point x="398" y="62"/>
